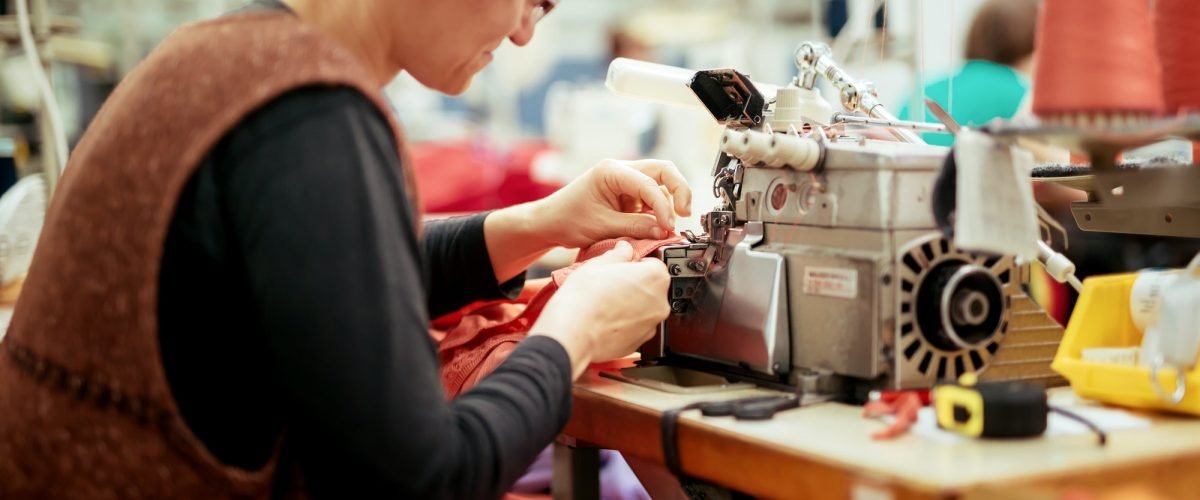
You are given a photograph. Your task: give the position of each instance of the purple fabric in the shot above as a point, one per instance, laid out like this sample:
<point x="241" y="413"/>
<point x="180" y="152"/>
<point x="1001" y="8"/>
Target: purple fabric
<point x="617" y="481"/>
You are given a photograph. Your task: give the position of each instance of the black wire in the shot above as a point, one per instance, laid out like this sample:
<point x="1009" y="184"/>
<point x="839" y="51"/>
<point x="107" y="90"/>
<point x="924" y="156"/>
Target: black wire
<point x="1079" y="418"/>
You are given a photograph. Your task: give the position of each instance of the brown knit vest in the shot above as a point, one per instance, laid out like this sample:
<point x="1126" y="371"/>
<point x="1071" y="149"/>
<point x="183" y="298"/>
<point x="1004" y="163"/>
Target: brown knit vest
<point x="85" y="408"/>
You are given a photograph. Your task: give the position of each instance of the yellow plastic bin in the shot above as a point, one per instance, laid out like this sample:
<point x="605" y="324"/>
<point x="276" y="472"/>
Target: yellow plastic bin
<point x="1101" y="319"/>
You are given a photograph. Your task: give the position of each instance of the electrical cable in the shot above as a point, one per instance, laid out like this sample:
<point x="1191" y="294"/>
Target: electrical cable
<point x="1100" y="434"/>
<point x="42" y="80"/>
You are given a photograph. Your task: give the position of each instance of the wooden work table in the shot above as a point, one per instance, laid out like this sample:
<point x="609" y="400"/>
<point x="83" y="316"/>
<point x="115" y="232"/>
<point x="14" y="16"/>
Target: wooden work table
<point x="825" y="451"/>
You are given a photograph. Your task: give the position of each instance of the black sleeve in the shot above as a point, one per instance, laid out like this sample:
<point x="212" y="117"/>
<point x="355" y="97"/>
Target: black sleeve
<point x="460" y="268"/>
<point x="321" y="219"/>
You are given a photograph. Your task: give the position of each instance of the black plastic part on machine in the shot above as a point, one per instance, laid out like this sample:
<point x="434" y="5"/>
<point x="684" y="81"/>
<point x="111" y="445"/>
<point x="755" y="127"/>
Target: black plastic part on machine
<point x="730" y="96"/>
<point x="944" y="199"/>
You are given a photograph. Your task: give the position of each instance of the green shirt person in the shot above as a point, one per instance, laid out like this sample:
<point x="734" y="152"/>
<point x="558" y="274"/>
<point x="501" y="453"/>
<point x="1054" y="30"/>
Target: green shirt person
<point x="995" y="79"/>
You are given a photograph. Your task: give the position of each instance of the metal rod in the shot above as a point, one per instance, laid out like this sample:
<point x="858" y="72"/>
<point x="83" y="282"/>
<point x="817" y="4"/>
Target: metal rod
<point x="904" y="124"/>
<point x="814" y="59"/>
<point x="903" y="135"/>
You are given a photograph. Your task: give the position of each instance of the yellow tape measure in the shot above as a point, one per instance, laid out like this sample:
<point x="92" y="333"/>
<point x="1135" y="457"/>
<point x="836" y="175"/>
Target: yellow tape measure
<point x="991" y="409"/>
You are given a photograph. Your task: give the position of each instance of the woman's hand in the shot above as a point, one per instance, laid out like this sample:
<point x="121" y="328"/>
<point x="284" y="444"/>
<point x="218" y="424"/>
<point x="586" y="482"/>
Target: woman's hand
<point x="638" y="199"/>
<point x="614" y="199"/>
<point x="606" y="308"/>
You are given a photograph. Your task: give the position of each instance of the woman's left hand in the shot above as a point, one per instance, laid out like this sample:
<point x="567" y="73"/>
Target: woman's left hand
<point x="636" y="199"/>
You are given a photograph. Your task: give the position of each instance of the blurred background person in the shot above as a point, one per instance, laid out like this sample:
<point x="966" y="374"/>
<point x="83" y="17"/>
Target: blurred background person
<point x="995" y="79"/>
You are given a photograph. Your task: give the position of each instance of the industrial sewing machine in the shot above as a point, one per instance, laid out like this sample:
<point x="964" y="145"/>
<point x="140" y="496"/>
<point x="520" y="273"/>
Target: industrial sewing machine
<point x="822" y="267"/>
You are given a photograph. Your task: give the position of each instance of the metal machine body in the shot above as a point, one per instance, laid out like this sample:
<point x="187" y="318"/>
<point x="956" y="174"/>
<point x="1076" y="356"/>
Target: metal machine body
<point x="823" y="268"/>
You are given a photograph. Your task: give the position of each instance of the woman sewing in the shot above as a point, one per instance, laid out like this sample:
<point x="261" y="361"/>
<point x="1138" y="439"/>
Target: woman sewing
<point x="231" y="294"/>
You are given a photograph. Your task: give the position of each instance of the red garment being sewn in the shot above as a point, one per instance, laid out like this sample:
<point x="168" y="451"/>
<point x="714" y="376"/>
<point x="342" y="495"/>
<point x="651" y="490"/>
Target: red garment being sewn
<point x="476" y="339"/>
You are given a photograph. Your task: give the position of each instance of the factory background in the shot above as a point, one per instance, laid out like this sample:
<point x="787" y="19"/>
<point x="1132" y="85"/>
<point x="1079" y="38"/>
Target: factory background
<point x="543" y="107"/>
<point x="540" y="115"/>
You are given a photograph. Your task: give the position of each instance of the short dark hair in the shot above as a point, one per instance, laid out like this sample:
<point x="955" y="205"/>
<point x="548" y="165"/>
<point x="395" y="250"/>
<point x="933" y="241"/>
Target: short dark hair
<point x="1003" y="31"/>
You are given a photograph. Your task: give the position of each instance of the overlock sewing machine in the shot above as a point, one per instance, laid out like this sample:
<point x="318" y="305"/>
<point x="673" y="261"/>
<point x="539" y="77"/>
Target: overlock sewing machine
<point x="822" y="267"/>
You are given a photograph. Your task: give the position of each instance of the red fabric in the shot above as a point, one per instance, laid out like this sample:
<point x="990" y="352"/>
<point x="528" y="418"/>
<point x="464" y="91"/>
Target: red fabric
<point x="526" y="496"/>
<point x="462" y="177"/>
<point x="904" y="408"/>
<point x="476" y="339"/>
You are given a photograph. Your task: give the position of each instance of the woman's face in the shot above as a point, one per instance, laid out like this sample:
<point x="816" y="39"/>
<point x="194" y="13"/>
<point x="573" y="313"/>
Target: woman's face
<point x="454" y="39"/>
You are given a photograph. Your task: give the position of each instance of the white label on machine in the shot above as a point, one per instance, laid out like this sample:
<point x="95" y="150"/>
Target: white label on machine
<point x="996" y="210"/>
<point x="831" y="282"/>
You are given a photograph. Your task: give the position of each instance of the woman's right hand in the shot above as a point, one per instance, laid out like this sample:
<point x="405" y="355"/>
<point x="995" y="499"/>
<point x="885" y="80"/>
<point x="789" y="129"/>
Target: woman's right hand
<point x="607" y="307"/>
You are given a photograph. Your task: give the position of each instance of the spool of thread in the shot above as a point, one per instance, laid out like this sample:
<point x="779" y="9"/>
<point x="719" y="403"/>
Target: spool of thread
<point x="1145" y="301"/>
<point x="1096" y="58"/>
<point x="1178" y="41"/>
<point x="1145" y="297"/>
<point x="1177" y="30"/>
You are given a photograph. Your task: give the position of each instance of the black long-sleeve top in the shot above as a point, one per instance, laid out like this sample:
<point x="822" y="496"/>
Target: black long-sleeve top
<point x="294" y="294"/>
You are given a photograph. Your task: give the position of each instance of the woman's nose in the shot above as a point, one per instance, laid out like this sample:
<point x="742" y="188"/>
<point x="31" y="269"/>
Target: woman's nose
<point x="524" y="34"/>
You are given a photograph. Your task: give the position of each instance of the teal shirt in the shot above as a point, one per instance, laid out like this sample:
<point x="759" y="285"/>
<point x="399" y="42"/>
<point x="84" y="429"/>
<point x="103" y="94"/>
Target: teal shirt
<point x="983" y="90"/>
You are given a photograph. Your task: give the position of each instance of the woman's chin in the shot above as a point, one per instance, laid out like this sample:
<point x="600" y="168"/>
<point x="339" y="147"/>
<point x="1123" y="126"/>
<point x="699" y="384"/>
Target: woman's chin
<point x="457" y="88"/>
<point x="452" y="86"/>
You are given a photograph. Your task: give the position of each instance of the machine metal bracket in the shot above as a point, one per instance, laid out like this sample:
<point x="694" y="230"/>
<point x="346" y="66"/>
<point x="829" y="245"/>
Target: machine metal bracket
<point x="1178" y="221"/>
<point x="741" y="317"/>
<point x="814" y="59"/>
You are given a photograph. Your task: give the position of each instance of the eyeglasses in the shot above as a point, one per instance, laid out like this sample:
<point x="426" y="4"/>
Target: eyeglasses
<point x="541" y="9"/>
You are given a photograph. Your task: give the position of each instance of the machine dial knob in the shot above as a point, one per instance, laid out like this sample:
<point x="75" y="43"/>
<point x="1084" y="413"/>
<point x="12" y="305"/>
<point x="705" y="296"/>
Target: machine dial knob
<point x="961" y="307"/>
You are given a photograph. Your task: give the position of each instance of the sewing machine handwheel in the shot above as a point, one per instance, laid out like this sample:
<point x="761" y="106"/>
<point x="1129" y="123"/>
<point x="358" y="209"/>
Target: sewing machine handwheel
<point x="960" y="306"/>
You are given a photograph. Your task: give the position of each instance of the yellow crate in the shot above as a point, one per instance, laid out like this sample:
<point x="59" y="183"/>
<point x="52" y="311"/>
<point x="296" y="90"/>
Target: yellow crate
<point x="1101" y="319"/>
